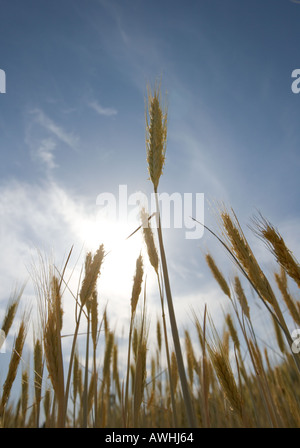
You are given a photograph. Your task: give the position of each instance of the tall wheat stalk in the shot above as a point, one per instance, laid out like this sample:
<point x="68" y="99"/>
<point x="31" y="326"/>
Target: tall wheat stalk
<point x="156" y="140"/>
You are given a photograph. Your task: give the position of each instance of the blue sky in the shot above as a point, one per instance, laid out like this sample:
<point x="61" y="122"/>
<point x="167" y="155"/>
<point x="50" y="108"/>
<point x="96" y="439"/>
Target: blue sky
<point x="72" y="126"/>
<point x="76" y="76"/>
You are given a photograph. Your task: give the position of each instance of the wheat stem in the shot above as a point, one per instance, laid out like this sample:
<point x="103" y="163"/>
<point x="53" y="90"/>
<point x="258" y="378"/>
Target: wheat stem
<point x="174" y="329"/>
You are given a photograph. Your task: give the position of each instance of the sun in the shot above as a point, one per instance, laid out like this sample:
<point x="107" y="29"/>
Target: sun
<point x="122" y="246"/>
<point x="122" y="250"/>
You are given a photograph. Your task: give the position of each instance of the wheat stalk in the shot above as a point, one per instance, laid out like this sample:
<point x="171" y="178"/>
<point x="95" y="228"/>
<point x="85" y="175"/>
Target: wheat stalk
<point x="93" y="266"/>
<point x="14" y="363"/>
<point x="115" y="370"/>
<point x="227" y="380"/>
<point x="24" y="396"/>
<point x="86" y="370"/>
<point x="38" y="376"/>
<point x="52" y="346"/>
<point x="154" y="260"/>
<point x="156" y="130"/>
<point x="136" y="290"/>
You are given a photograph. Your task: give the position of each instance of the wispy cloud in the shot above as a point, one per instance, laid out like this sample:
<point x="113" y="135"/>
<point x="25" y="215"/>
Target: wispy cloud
<point x="107" y="111"/>
<point x="44" y="136"/>
<point x="42" y="119"/>
<point x="44" y="153"/>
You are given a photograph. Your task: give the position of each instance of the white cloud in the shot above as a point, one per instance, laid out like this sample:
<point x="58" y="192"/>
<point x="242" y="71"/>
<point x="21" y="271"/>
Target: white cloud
<point x="44" y="137"/>
<point x="48" y="219"/>
<point x="43" y="120"/>
<point x="106" y="111"/>
<point x="44" y="152"/>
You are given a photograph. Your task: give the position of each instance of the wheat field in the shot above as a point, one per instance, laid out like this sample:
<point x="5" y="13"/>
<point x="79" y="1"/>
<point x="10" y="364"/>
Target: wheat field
<point x="214" y="380"/>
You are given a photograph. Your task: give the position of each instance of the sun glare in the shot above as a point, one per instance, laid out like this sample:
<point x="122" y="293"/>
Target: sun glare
<point x="122" y="251"/>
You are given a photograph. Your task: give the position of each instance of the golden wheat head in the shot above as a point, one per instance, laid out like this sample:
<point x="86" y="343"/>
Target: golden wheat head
<point x="156" y="136"/>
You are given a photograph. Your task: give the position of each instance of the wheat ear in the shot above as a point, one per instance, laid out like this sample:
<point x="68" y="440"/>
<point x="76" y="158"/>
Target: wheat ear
<point x="14" y="363"/>
<point x="136" y="290"/>
<point x="156" y="136"/>
<point x="218" y="275"/>
<point x="277" y="245"/>
<point x="88" y="287"/>
<point x="11" y="310"/>
<point x="281" y="281"/>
